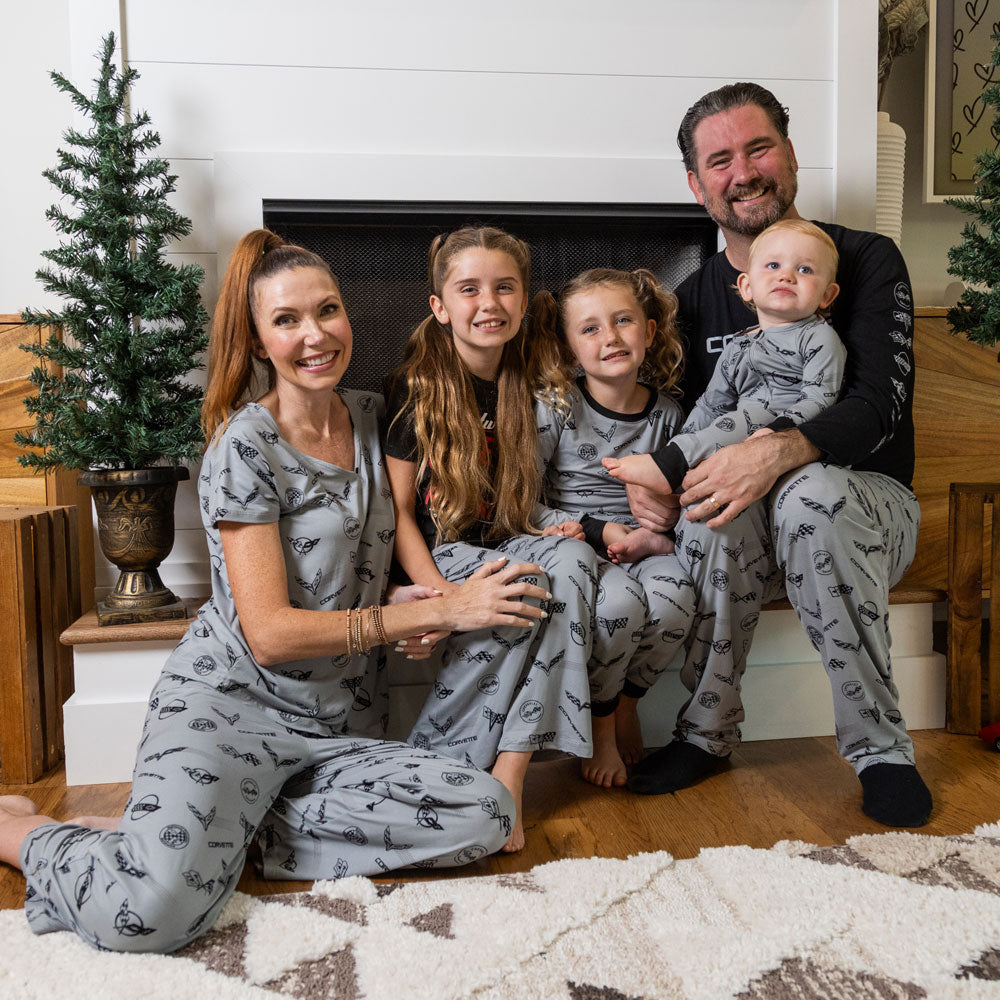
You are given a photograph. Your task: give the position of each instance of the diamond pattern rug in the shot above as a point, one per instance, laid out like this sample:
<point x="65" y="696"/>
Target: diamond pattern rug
<point x="897" y="915"/>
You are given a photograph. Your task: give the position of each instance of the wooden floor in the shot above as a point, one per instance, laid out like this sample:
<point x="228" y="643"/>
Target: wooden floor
<point x="775" y="790"/>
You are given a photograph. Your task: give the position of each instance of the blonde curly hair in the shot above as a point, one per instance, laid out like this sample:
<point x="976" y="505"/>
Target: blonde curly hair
<point x="552" y="365"/>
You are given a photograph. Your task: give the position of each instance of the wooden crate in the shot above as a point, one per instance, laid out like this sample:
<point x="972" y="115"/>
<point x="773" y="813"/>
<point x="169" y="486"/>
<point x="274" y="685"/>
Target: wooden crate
<point x="21" y="486"/>
<point x="974" y="552"/>
<point x="39" y="598"/>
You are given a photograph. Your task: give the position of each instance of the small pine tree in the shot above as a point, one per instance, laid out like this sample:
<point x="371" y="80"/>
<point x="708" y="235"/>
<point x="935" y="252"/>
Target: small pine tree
<point x="136" y="321"/>
<point x="976" y="260"/>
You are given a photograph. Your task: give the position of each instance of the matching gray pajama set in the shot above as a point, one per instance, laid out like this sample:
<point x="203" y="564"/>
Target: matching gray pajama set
<point x="832" y="536"/>
<point x="578" y="488"/>
<point x="775" y="378"/>
<point x="290" y="756"/>
<point x="511" y="688"/>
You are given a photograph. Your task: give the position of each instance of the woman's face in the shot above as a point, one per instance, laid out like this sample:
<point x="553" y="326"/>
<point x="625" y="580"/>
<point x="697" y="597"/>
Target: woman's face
<point x="302" y="329"/>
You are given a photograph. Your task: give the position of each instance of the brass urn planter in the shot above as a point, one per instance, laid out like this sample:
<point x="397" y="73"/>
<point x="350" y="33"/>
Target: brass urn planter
<point x="135" y="523"/>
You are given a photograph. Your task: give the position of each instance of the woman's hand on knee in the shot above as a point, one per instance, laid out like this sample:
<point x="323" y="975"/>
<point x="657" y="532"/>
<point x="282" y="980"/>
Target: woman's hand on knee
<point x="493" y="595"/>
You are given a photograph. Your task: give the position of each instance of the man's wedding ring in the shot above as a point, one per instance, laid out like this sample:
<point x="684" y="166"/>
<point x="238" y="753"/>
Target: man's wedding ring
<point x="713" y="501"/>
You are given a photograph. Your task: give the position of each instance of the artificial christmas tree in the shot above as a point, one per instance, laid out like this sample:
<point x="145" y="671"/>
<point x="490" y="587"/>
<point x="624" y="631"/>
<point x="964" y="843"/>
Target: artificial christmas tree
<point x="976" y="260"/>
<point x="113" y="396"/>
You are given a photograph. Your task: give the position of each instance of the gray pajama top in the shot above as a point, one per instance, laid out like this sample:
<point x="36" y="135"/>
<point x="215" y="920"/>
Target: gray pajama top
<point x="336" y="531"/>
<point x="571" y="446"/>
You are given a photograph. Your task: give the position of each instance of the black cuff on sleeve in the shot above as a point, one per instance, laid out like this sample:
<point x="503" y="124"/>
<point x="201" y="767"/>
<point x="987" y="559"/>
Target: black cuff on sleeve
<point x="632" y="690"/>
<point x="671" y="462"/>
<point x="781" y="424"/>
<point x="593" y="530"/>
<point x="603" y="708"/>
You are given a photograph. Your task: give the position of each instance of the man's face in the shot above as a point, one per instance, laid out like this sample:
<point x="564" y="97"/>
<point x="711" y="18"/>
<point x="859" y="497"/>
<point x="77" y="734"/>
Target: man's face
<point x="745" y="174"/>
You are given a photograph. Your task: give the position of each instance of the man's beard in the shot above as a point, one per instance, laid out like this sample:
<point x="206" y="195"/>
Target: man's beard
<point x="759" y="218"/>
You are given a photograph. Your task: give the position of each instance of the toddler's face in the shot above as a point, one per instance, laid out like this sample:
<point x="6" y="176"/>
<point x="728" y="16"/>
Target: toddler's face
<point x="607" y="332"/>
<point x="789" y="278"/>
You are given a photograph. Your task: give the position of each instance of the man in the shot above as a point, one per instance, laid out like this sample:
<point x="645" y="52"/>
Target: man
<point x="821" y="513"/>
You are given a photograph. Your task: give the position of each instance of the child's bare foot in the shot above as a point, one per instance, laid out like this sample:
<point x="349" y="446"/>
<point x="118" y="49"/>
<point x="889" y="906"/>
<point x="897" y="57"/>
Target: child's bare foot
<point x="638" y="544"/>
<point x="606" y="768"/>
<point x="510" y="769"/>
<point x="640" y="470"/>
<point x="628" y="730"/>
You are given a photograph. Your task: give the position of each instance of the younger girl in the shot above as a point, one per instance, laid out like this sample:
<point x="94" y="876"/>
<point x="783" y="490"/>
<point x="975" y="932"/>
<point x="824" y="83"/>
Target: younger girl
<point x="461" y="460"/>
<point x="617" y="326"/>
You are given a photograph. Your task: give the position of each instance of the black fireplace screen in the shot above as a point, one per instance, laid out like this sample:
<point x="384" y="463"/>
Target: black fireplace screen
<point x="379" y="253"/>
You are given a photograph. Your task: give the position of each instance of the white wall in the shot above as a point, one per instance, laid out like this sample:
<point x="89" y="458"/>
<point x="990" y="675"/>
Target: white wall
<point x="33" y="116"/>
<point x="564" y="80"/>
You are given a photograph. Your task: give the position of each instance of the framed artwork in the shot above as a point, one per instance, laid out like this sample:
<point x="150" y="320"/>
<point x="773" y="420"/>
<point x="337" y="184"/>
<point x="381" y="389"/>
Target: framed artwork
<point x="958" y="122"/>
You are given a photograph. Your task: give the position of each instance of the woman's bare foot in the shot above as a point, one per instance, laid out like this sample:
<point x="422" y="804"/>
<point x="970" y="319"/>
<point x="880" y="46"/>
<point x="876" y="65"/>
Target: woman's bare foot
<point x="18" y="817"/>
<point x="510" y="769"/>
<point x="628" y="730"/>
<point x="638" y="544"/>
<point x="97" y="822"/>
<point x="606" y="768"/>
<point x="17" y="805"/>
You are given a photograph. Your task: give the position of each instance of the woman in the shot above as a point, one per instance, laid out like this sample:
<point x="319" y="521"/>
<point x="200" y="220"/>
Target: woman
<point x="265" y="721"/>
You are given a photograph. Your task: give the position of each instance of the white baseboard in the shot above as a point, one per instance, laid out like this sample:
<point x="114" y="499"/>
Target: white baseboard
<point x="785" y="692"/>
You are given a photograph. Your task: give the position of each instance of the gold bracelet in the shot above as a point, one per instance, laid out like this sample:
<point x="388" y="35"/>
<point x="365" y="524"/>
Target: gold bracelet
<point x="368" y="631"/>
<point x="350" y="650"/>
<point x="376" y="611"/>
<point x="357" y="632"/>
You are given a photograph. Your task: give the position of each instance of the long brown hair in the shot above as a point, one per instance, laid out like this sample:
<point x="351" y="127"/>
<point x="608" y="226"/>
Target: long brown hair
<point x="552" y="364"/>
<point x="234" y="371"/>
<point x="451" y="442"/>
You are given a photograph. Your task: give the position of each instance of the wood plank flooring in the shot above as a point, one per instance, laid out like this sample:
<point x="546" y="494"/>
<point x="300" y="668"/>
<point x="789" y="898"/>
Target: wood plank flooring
<point x="775" y="790"/>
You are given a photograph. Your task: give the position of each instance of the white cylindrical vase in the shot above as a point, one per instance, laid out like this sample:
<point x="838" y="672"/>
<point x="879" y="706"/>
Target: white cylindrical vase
<point x="889" y="178"/>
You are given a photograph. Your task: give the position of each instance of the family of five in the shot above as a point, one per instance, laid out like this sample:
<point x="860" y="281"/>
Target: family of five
<point x="553" y="497"/>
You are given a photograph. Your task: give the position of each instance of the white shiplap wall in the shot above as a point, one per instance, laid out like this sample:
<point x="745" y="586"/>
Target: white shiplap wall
<point x="559" y="84"/>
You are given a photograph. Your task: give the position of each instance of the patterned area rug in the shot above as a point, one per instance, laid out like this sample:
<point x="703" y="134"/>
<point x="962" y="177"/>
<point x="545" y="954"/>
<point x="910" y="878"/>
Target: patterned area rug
<point x="897" y="915"/>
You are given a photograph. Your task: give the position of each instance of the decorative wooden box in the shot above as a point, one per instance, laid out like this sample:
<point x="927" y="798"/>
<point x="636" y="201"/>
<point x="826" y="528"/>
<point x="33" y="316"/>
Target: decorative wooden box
<point x="19" y="485"/>
<point x="39" y="597"/>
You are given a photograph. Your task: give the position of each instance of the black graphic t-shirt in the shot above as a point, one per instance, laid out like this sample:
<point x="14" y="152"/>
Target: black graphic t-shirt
<point x="871" y="426"/>
<point x="401" y="443"/>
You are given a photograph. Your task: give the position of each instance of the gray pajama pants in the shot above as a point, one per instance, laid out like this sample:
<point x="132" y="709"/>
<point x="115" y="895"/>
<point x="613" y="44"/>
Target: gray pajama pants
<point x="215" y="771"/>
<point x="525" y="689"/>
<point x="737" y="425"/>
<point x="669" y="595"/>
<point x="834" y="540"/>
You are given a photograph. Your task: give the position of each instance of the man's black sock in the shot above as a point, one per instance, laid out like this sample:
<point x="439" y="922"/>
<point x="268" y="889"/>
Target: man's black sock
<point x="677" y="765"/>
<point x="895" y="794"/>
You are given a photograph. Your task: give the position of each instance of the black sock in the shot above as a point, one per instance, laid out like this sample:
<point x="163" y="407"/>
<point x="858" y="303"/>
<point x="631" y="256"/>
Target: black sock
<point x="895" y="794"/>
<point x="677" y="765"/>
